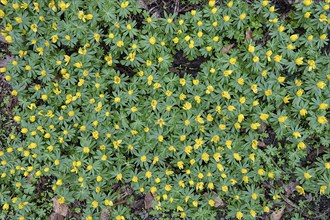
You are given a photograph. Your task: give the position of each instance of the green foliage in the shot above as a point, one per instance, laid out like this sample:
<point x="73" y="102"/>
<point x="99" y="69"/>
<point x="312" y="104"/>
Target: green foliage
<point x="102" y="106"/>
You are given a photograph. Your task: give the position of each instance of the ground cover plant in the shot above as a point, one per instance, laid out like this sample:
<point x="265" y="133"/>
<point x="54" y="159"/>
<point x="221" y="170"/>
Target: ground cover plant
<point x="218" y="110"/>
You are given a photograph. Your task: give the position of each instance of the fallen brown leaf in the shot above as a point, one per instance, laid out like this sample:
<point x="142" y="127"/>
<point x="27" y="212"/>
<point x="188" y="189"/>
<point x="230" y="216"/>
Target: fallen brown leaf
<point x="105" y="214"/>
<point x="277" y="215"/>
<point x="290" y="188"/>
<point x="227" y="48"/>
<point x="61" y="209"/>
<point x="261" y="144"/>
<point x="148" y="199"/>
<point x="219" y="202"/>
<point x="248" y="35"/>
<point x="55" y="216"/>
<point x="143" y="4"/>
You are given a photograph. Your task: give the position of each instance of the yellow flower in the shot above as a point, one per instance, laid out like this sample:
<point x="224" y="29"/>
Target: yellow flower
<point x="253" y="213"/>
<point x="5" y="206"/>
<point x="296" y="134"/>
<point x="225" y="94"/>
<point x="322" y="189"/>
<point x="271" y="175"/>
<point x="198" y="143"/>
<point x="286" y="99"/>
<point x="232" y="61"/>
<point x="307" y="14"/>
<point x="322" y="120"/>
<point x="226" y="18"/>
<point x="254" y="88"/>
<point x="180" y="164"/>
<point x="281" y="28"/>
<point x="227" y="72"/>
<point x="148" y="174"/>
<point x="251" y="48"/>
<point x="311" y="64"/>
<point x="211" y="202"/>
<point x="269" y="54"/>
<point x="323" y="106"/>
<point x="240" y="118"/>
<point x="119" y="176"/>
<point x="239" y="215"/>
<point x="63" y="5"/>
<point x="301" y="146"/>
<point x="323" y="37"/>
<point x="237" y="156"/>
<point x="152" y="40"/>
<point x="255" y="126"/>
<point x="95" y="204"/>
<point x="265" y="3"/>
<point x="321" y="84"/>
<point x="97" y="37"/>
<point x="290" y="47"/>
<point x="299" y="61"/>
<point x="323" y="18"/>
<point x="2" y="14"/>
<point x="230" y="4"/>
<point x="78" y="64"/>
<point x="61" y="200"/>
<point x="308" y="2"/>
<point x="307" y="175"/>
<point x="299" y="92"/>
<point x="205" y="157"/>
<point x="120" y="43"/>
<point x="282" y="119"/>
<point x="268" y="92"/>
<point x="261" y="172"/>
<point x="277" y="58"/>
<point x="300" y="190"/>
<point x="255" y="59"/>
<point x="168" y="187"/>
<point x="187" y="106"/>
<point x="9" y="39"/>
<point x="217" y="156"/>
<point x="240" y="81"/>
<point x="124" y="4"/>
<point x="266" y="209"/>
<point x="294" y="37"/>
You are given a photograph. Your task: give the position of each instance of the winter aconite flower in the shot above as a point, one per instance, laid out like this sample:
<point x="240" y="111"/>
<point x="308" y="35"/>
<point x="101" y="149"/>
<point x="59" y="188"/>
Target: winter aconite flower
<point x="282" y="119"/>
<point x="239" y="215"/>
<point x="308" y="2"/>
<point x="322" y="120"/>
<point x="300" y="190"/>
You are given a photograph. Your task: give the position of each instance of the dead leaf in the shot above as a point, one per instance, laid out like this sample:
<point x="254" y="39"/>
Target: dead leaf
<point x="248" y="35"/>
<point x="227" y="48"/>
<point x="290" y="188"/>
<point x="3" y="62"/>
<point x="219" y="202"/>
<point x="105" y="214"/>
<point x="143" y="4"/>
<point x="61" y="209"/>
<point x="261" y="144"/>
<point x="308" y="197"/>
<point x="137" y="204"/>
<point x="148" y="200"/>
<point x="277" y="215"/>
<point x="55" y="216"/>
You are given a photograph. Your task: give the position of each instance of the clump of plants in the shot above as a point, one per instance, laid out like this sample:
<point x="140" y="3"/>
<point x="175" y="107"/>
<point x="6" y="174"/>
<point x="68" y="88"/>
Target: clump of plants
<point x="102" y="106"/>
